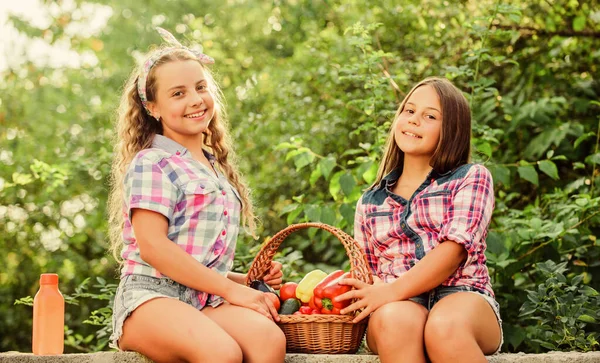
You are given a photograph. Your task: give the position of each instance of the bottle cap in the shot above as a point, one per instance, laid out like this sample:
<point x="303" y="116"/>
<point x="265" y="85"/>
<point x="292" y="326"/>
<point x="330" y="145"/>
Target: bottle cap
<point x="48" y="279"/>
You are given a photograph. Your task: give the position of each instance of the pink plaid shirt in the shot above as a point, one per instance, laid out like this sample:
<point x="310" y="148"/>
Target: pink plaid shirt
<point x="456" y="206"/>
<point x="203" y="210"/>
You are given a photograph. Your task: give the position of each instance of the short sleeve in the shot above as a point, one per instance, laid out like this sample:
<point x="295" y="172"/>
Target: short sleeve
<point x="363" y="236"/>
<point x="468" y="216"/>
<point x="149" y="187"/>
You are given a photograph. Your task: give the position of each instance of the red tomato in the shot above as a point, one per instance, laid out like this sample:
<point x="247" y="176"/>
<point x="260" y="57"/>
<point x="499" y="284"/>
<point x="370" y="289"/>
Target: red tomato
<point x="275" y="299"/>
<point x="288" y="291"/>
<point x="305" y="310"/>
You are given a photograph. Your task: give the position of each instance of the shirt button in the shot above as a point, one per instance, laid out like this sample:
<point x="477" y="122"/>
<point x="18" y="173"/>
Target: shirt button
<point x="224" y="232"/>
<point x="225" y="212"/>
<point x="223" y="192"/>
<point x="403" y="225"/>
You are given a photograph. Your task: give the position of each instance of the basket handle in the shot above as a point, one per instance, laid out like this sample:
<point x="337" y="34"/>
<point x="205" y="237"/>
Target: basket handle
<point x="262" y="262"/>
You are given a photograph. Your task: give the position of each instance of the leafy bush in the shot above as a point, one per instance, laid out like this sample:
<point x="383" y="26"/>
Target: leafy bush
<point x="565" y="311"/>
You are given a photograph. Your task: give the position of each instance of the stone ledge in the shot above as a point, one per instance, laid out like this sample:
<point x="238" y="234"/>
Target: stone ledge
<point x="129" y="357"/>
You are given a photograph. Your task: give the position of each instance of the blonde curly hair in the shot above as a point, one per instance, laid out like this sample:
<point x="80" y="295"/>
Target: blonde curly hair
<point x="135" y="130"/>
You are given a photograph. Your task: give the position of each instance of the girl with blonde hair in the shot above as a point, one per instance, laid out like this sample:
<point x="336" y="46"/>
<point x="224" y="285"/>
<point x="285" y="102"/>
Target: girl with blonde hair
<point x="176" y="205"/>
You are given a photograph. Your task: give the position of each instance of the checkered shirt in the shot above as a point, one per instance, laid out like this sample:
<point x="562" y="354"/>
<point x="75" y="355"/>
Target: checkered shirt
<point x="456" y="206"/>
<point x="203" y="210"/>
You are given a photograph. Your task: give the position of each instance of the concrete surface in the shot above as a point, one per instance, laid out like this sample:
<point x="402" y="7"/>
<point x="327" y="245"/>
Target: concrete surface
<point x="128" y="357"/>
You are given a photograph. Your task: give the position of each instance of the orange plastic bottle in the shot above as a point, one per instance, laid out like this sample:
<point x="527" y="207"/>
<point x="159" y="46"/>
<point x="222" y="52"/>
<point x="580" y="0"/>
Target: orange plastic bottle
<point x="48" y="317"/>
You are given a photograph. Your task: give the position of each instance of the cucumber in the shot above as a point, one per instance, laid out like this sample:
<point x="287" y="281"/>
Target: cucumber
<point x="289" y="306"/>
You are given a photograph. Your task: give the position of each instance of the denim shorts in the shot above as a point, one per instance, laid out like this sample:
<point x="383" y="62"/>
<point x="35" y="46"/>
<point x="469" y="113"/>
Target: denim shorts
<point x="134" y="290"/>
<point x="429" y="299"/>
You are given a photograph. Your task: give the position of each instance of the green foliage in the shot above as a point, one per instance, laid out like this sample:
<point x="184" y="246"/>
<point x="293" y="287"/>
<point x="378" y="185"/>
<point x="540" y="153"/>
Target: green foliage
<point x="312" y="88"/>
<point x="562" y="309"/>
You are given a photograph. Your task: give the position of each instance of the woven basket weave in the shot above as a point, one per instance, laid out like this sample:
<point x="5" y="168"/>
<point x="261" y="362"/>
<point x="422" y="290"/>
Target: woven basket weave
<point x="317" y="334"/>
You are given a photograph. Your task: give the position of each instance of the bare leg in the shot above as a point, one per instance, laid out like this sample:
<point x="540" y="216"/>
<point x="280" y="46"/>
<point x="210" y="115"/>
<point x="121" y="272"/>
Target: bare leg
<point x="395" y="332"/>
<point x="260" y="339"/>
<point x="168" y="330"/>
<point x="461" y="327"/>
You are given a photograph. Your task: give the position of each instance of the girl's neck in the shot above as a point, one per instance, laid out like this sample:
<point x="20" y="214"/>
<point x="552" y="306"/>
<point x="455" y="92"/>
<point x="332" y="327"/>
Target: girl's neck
<point x="194" y="143"/>
<point x="415" y="169"/>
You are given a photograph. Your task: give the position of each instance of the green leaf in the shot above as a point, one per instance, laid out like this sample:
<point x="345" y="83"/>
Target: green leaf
<point x="328" y="215"/>
<point x="586" y="318"/>
<point x="288" y="208"/>
<point x="371" y="173"/>
<point x="588" y="291"/>
<point x="485" y="148"/>
<point x="327" y="164"/>
<point x="291" y="218"/>
<point x="500" y="174"/>
<point x="334" y="185"/>
<point x="528" y="173"/>
<point x="593" y="159"/>
<point x="315" y="175"/>
<point x="347" y="211"/>
<point x="347" y="183"/>
<point x="582" y="138"/>
<point x="303" y="160"/>
<point x="579" y="23"/>
<point x="549" y="168"/>
<point x="313" y="213"/>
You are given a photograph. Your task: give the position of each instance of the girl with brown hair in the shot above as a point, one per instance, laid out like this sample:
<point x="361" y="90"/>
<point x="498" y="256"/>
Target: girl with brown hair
<point x="422" y="226"/>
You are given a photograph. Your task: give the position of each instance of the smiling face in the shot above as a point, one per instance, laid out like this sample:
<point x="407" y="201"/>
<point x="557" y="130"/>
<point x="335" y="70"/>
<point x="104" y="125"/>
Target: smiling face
<point x="182" y="100"/>
<point x="419" y="124"/>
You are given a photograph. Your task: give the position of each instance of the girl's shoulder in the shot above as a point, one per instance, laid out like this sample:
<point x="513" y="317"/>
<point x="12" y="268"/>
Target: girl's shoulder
<point x="467" y="172"/>
<point x="152" y="155"/>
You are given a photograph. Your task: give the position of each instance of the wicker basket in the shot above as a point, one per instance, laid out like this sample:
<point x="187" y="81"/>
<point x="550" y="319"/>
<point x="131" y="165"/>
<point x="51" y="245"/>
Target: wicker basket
<point x="317" y="334"/>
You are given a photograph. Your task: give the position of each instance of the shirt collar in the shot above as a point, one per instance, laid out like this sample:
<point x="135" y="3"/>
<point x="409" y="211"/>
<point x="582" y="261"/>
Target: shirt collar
<point x="173" y="147"/>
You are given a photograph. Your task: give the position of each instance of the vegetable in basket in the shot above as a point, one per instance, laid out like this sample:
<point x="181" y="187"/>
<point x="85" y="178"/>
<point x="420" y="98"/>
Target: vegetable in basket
<point x="288" y="291"/>
<point x="327" y="290"/>
<point x="289" y="306"/>
<point x="305" y="288"/>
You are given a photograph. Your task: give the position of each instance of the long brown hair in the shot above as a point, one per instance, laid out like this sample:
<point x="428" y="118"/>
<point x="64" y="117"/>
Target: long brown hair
<point x="454" y="146"/>
<point x="135" y="130"/>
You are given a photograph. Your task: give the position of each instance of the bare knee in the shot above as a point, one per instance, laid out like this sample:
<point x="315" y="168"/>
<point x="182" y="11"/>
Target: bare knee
<point x="445" y="333"/>
<point x="269" y="345"/>
<point x="390" y="317"/>
<point x="401" y="320"/>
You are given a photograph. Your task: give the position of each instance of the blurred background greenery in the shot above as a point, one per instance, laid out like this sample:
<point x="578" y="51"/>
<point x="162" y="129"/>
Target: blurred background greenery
<point x="312" y="87"/>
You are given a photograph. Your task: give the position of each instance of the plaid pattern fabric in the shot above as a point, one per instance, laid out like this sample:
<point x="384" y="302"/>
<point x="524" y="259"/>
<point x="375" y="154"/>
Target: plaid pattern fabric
<point x="457" y="206"/>
<point x="203" y="210"/>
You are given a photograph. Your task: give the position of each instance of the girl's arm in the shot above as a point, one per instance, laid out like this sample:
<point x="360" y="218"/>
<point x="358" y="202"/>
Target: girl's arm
<point x="156" y="249"/>
<point x="273" y="278"/>
<point x="237" y="277"/>
<point x="430" y="271"/>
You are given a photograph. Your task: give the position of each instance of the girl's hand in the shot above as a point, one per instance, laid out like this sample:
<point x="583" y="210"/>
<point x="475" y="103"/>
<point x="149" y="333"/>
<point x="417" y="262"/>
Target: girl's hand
<point x="370" y="297"/>
<point x="254" y="300"/>
<point x="274" y="277"/>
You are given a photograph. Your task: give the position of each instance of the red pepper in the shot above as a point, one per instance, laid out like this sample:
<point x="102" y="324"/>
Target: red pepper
<point x="328" y="289"/>
<point x="332" y="311"/>
<point x="313" y="302"/>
